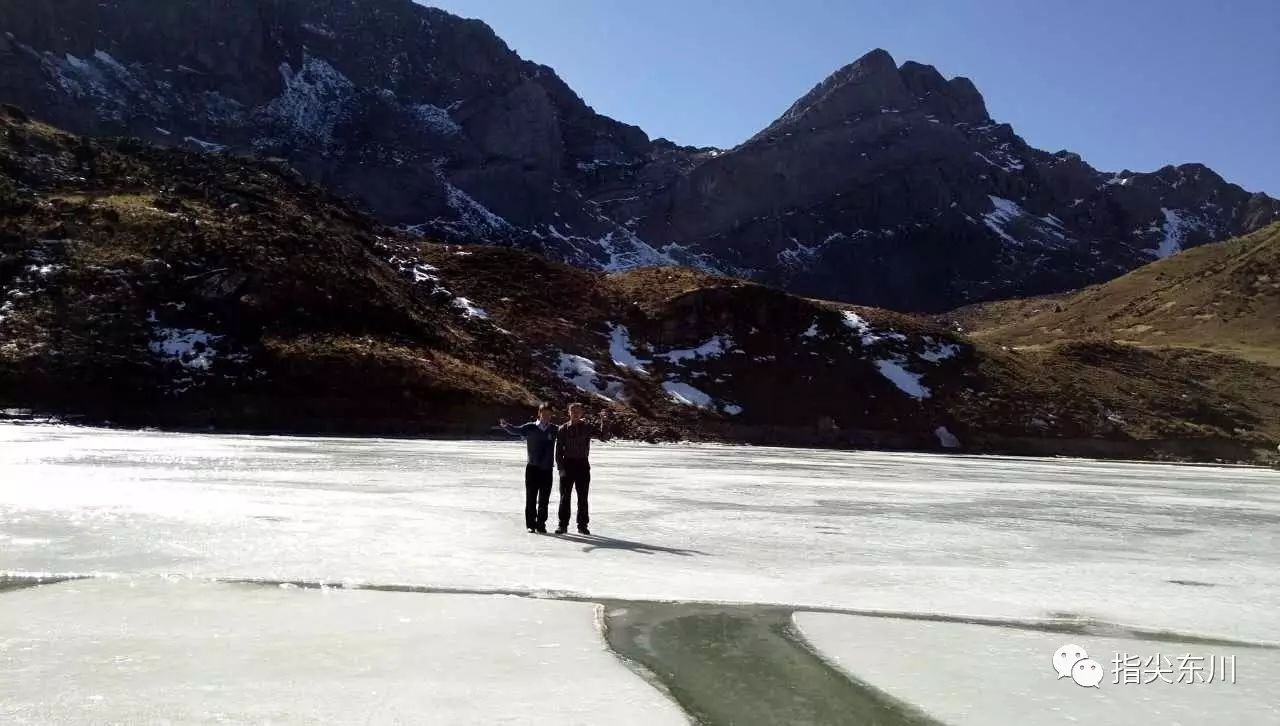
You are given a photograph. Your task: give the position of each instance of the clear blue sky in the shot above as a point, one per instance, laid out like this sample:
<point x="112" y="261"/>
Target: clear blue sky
<point x="1126" y="83"/>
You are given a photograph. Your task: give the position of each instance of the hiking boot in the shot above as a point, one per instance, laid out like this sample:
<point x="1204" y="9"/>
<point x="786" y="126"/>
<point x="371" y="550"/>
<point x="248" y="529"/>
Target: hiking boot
<point x="583" y="530"/>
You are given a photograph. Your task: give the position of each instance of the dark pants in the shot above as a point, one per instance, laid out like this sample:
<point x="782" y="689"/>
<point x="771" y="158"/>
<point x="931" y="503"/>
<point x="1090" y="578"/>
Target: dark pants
<point x="537" y="492"/>
<point x="575" y="475"/>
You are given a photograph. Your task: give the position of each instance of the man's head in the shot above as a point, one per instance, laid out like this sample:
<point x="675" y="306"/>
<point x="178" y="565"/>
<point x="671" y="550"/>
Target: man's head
<point x="576" y="411"/>
<point x="544" y="413"/>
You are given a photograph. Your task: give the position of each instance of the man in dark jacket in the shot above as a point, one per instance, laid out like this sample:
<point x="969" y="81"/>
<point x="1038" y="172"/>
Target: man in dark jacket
<point x="540" y="437"/>
<point x="573" y="452"/>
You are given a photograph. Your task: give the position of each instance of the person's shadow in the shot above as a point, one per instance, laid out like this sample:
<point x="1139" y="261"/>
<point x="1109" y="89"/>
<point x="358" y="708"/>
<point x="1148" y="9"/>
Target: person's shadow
<point x="596" y="542"/>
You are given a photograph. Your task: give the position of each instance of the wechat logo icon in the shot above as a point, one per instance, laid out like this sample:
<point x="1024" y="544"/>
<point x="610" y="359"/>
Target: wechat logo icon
<point x="1072" y="661"/>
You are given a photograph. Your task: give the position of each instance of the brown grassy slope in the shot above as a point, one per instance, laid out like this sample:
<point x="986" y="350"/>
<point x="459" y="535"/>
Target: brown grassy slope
<point x="105" y="246"/>
<point x="1223" y="297"/>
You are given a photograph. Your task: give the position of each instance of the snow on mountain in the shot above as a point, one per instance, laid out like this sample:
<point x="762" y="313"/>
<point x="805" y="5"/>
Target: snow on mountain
<point x="314" y="101"/>
<point x="1176" y="226"/>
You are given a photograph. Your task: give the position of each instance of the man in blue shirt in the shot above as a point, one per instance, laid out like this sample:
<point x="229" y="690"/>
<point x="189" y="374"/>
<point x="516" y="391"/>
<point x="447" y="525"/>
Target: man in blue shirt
<point x="540" y="437"/>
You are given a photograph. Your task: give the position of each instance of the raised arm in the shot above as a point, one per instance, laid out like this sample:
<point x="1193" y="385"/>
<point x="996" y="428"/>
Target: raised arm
<point x="520" y="430"/>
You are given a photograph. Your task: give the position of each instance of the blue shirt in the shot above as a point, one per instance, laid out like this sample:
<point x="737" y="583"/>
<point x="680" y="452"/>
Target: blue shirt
<point x="541" y="442"/>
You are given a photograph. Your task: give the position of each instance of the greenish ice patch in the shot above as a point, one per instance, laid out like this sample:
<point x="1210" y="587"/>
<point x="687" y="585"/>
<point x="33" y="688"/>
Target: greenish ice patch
<point x="17" y="583"/>
<point x="744" y="666"/>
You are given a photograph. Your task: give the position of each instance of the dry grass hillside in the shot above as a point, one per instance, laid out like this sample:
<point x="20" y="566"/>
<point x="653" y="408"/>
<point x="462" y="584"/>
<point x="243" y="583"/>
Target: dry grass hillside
<point x="1223" y="297"/>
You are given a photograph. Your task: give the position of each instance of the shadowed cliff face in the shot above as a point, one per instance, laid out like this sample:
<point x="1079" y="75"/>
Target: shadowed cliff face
<point x="886" y="184"/>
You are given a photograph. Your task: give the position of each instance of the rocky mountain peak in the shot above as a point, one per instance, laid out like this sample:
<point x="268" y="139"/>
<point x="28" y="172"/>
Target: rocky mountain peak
<point x="875" y="84"/>
<point x="884" y="184"/>
<point x="861" y="88"/>
<point x="956" y="100"/>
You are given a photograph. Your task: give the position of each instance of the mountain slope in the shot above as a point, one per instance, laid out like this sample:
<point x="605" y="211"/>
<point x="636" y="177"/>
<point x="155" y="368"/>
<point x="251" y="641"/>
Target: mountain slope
<point x="1223" y="296"/>
<point x="149" y="286"/>
<point x="886" y="185"/>
<point x="892" y="185"/>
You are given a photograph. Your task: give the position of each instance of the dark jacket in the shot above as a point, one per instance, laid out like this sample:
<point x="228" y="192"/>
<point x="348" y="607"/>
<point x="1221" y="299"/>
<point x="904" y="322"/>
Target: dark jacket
<point x="542" y="444"/>
<point x="573" y="443"/>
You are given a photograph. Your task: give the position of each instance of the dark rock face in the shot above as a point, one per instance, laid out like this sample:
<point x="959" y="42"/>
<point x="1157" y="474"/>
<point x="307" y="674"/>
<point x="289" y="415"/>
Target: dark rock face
<point x="885" y="185"/>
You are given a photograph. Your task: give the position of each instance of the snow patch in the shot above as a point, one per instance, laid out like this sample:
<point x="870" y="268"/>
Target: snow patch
<point x="717" y="346"/>
<point x="1005" y="211"/>
<point x="581" y="372"/>
<point x="207" y="147"/>
<point x="101" y="81"/>
<point x="1010" y="165"/>
<point x="946" y="439"/>
<point x="319" y="29"/>
<point x="622" y="250"/>
<point x="473" y="216"/>
<point x="622" y="352"/>
<point x="1176" y="227"/>
<point x="938" y="352"/>
<point x="436" y="119"/>
<point x="859" y="325"/>
<point x="595" y="164"/>
<point x="634" y="252"/>
<point x="799" y="255"/>
<point x="190" y="348"/>
<point x="686" y="394"/>
<point x="470" y="309"/>
<point x="314" y="99"/>
<point x="906" y="381"/>
<point x="422" y="272"/>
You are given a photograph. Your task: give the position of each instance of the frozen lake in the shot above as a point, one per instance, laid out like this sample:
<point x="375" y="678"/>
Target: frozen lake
<point x="1102" y="550"/>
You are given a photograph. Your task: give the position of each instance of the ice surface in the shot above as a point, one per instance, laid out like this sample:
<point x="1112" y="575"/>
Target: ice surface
<point x="156" y="651"/>
<point x="1011" y="538"/>
<point x="965" y="674"/>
